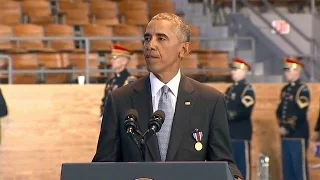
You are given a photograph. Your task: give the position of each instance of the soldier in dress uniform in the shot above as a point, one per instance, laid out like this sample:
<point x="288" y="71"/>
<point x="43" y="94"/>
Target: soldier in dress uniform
<point x="240" y="99"/>
<point x="295" y="99"/>
<point x="316" y="137"/>
<point x="120" y="57"/>
<point x="293" y="122"/>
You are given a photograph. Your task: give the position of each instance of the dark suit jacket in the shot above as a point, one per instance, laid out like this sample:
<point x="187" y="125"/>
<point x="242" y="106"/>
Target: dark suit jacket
<point x="3" y="105"/>
<point x="206" y="112"/>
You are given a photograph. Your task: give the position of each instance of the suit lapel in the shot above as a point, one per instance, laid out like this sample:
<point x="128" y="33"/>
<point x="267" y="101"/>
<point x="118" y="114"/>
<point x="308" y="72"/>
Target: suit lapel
<point x="185" y="102"/>
<point x="142" y="102"/>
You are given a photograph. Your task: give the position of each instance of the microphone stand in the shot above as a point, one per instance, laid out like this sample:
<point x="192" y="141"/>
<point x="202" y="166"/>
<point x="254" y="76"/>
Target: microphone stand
<point x="138" y="145"/>
<point x="142" y="145"/>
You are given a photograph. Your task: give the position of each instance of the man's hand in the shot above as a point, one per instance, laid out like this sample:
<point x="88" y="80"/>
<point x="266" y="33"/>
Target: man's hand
<point x="283" y="131"/>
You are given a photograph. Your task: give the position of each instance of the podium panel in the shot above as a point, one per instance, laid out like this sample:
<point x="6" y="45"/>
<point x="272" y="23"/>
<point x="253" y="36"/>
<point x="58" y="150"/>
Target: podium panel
<point x="146" y="170"/>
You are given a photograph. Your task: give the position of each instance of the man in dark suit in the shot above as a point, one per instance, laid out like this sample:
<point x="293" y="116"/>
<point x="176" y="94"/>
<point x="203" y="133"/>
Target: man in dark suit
<point x="3" y="109"/>
<point x="196" y="125"/>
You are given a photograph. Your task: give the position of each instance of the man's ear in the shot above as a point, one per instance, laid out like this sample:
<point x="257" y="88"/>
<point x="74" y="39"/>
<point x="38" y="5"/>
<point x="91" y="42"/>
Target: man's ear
<point x="185" y="49"/>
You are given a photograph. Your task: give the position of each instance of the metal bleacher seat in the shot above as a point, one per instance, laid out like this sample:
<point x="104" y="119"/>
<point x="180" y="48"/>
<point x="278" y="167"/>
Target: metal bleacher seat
<point x="96" y="30"/>
<point x="133" y="12"/>
<point x="10" y="13"/>
<point x="190" y="65"/>
<point x="103" y="12"/>
<point x="31" y="30"/>
<point x="61" y="30"/>
<point x="214" y="60"/>
<point x="53" y="61"/>
<point x="136" y="17"/>
<point x="125" y="30"/>
<point x="25" y="61"/>
<point x="140" y="64"/>
<point x="73" y="12"/>
<point x="127" y="5"/>
<point x="85" y="18"/>
<point x="195" y="33"/>
<point x="159" y="6"/>
<point x="5" y="32"/>
<point x="37" y="11"/>
<point x="77" y="62"/>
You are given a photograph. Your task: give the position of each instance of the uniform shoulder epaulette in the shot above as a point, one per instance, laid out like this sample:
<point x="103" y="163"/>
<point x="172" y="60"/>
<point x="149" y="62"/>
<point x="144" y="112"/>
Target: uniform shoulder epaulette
<point x="248" y="87"/>
<point x="247" y="100"/>
<point x="302" y="101"/>
<point x="129" y="79"/>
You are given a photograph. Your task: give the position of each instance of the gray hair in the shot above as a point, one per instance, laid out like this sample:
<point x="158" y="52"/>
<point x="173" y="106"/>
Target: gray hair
<point x="181" y="27"/>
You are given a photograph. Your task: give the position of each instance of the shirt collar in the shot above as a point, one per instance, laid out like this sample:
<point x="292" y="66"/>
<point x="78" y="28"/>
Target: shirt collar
<point x="173" y="84"/>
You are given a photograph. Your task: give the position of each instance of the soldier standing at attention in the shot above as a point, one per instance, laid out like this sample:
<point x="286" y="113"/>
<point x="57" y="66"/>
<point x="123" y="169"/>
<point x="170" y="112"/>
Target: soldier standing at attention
<point x="120" y="57"/>
<point x="293" y="122"/>
<point x="240" y="99"/>
<point x="316" y="137"/>
<point x="295" y="99"/>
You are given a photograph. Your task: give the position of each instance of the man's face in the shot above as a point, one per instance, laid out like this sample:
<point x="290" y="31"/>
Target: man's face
<point x="162" y="49"/>
<point x="238" y="74"/>
<point x="118" y="63"/>
<point x="291" y="74"/>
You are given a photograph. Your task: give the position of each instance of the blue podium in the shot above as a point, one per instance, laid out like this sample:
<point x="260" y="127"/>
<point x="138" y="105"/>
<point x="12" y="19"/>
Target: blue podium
<point x="146" y="171"/>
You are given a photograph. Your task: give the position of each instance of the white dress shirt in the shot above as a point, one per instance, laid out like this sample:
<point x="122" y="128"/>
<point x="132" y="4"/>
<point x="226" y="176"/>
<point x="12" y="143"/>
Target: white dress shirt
<point x="156" y="86"/>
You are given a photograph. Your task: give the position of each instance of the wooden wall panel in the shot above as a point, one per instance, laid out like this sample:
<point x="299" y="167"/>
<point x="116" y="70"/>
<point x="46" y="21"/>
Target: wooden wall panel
<point x="52" y="124"/>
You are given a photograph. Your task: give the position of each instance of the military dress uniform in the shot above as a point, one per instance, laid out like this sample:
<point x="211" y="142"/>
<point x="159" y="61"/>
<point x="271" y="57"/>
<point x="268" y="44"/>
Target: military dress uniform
<point x="115" y="82"/>
<point x="118" y="80"/>
<point x="240" y="100"/>
<point x="293" y="108"/>
<point x="317" y="128"/>
<point x="292" y="115"/>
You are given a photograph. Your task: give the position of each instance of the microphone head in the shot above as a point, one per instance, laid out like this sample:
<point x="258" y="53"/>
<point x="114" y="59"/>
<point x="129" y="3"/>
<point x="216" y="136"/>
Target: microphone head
<point x="130" y="120"/>
<point x="157" y="120"/>
<point x="159" y="114"/>
<point x="132" y="113"/>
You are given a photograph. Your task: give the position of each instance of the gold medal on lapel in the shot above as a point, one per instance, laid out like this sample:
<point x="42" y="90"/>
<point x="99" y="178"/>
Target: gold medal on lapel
<point x="198" y="146"/>
<point x="197" y="135"/>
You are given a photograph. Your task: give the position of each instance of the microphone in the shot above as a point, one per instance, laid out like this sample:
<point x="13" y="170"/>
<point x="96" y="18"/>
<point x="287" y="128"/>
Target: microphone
<point x="154" y="125"/>
<point x="156" y="121"/>
<point x="130" y="125"/>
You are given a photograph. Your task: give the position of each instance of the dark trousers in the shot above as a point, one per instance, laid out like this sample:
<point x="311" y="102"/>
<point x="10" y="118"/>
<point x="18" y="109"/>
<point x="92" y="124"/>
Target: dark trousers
<point x="294" y="159"/>
<point x="241" y="152"/>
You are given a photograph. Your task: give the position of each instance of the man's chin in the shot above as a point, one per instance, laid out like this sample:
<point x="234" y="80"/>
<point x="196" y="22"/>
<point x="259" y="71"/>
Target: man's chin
<point x="152" y="69"/>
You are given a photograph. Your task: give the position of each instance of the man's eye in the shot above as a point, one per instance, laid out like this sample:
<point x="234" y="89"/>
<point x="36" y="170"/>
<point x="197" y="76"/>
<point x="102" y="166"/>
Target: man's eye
<point x="147" y="39"/>
<point x="162" y="39"/>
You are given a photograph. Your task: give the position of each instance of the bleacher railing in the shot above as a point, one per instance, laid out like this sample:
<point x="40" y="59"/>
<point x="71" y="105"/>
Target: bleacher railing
<point x="10" y="71"/>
